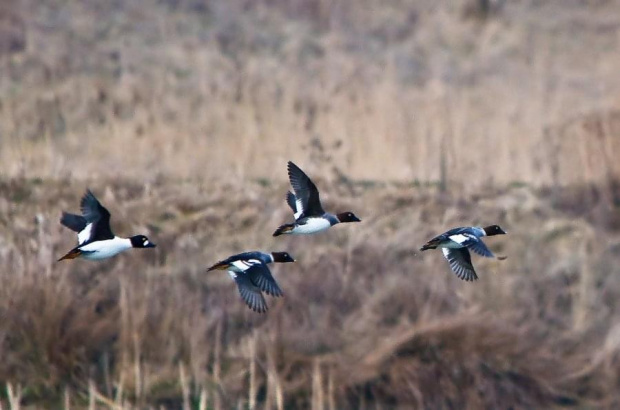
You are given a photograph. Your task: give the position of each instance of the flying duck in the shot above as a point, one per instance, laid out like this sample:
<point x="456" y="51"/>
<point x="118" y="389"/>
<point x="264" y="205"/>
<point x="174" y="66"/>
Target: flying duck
<point x="456" y="244"/>
<point x="95" y="238"/>
<point x="252" y="275"/>
<point x="306" y="205"/>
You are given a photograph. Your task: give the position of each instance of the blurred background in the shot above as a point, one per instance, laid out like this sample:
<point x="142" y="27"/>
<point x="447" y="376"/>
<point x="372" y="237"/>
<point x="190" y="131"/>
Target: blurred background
<point x="417" y="115"/>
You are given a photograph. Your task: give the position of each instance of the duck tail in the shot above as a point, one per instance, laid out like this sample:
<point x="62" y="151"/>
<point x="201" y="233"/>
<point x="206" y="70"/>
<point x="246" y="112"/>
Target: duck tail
<point x="432" y="244"/>
<point x="219" y="266"/>
<point x="73" y="253"/>
<point x="283" y="229"/>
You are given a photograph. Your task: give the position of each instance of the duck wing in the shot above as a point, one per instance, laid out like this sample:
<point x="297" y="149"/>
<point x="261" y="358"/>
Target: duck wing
<point x="306" y="193"/>
<point x="97" y="220"/>
<point x="260" y="275"/>
<point x="250" y="293"/>
<point x="460" y="263"/>
<point x="295" y="204"/>
<point x="481" y="249"/>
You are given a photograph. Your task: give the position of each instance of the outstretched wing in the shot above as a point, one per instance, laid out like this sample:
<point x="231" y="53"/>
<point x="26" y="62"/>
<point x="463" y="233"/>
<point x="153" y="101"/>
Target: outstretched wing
<point x="295" y="204"/>
<point x="97" y="219"/>
<point x="481" y="249"/>
<point x="465" y="237"/>
<point x="306" y="192"/>
<point x="76" y="223"/>
<point x="460" y="263"/>
<point x="250" y="293"/>
<point x="291" y="200"/>
<point x="260" y="275"/>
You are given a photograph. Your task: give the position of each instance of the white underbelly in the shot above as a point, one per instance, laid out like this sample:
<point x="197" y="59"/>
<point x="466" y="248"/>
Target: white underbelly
<point x="105" y="249"/>
<point x="101" y="254"/>
<point x="312" y="225"/>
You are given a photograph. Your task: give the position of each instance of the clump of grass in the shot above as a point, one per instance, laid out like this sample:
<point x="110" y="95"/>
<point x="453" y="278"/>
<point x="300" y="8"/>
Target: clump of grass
<point x="365" y="321"/>
<point x="377" y="90"/>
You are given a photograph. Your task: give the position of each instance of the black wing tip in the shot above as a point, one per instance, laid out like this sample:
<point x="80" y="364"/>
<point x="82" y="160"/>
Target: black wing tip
<point x="74" y="222"/>
<point x="259" y="309"/>
<point x="277" y="294"/>
<point x="468" y="276"/>
<point x="293" y="168"/>
<point x="259" y="306"/>
<point x="88" y="198"/>
<point x="88" y="194"/>
<point x="64" y="217"/>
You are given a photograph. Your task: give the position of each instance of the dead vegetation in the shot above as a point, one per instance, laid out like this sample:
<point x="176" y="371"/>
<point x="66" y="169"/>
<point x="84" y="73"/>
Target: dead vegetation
<point x="365" y="320"/>
<point x="441" y="89"/>
<point x="418" y="115"/>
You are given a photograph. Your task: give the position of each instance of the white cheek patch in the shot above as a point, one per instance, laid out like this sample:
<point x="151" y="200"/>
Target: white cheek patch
<point x="459" y="238"/>
<point x="146" y="243"/>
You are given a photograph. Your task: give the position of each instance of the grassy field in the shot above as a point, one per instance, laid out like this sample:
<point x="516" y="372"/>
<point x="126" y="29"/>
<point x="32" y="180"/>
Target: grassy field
<point x="417" y="115"/>
<point x="365" y="321"/>
<point x="414" y="90"/>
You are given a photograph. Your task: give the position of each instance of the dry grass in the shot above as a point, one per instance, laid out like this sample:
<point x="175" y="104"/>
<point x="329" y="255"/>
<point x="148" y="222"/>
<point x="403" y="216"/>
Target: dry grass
<point x="365" y="321"/>
<point x="233" y="88"/>
<point x="417" y="115"/>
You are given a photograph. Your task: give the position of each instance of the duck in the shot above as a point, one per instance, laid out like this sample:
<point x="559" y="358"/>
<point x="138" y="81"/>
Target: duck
<point x="456" y="243"/>
<point x="310" y="217"/>
<point x="250" y="272"/>
<point x="96" y="240"/>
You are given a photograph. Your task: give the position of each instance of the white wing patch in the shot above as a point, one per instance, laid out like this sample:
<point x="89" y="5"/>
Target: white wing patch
<point x="299" y="209"/>
<point x="84" y="234"/>
<point x="459" y="238"/>
<point x="242" y="265"/>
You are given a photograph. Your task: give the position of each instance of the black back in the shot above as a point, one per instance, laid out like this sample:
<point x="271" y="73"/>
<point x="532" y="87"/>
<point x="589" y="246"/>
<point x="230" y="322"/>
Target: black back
<point x="92" y="213"/>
